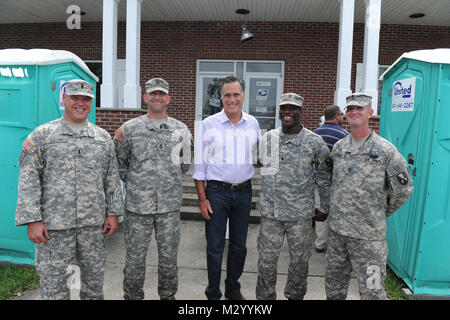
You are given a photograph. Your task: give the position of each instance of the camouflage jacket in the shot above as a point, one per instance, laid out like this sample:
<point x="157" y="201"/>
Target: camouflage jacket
<point x="287" y="192"/>
<point x="368" y="185"/>
<point x="67" y="179"/>
<point x="152" y="162"/>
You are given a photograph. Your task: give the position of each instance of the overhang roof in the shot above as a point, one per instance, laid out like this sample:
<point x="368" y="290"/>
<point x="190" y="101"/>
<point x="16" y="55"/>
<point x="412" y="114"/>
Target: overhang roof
<point x="437" y="12"/>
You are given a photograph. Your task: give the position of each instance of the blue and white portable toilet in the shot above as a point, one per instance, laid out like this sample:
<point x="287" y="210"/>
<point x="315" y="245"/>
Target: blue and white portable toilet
<point x="415" y="117"/>
<point x="31" y="87"/>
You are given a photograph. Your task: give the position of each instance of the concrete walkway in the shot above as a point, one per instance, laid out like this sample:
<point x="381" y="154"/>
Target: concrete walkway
<point x="192" y="268"/>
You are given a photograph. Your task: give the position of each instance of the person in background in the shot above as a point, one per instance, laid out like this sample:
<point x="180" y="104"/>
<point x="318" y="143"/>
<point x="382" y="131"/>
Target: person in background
<point x="331" y="132"/>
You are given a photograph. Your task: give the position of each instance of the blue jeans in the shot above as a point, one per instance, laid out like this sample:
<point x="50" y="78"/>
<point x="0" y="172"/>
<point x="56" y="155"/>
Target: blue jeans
<point x="234" y="205"/>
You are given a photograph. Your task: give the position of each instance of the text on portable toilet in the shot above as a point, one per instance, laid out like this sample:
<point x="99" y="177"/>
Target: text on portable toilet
<point x="403" y="95"/>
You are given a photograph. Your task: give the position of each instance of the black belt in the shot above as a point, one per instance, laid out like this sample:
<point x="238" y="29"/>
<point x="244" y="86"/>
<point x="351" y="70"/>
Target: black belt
<point x="232" y="186"/>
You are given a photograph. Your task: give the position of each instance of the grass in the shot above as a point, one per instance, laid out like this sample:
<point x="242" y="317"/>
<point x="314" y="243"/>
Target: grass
<point x="394" y="285"/>
<point x="16" y="279"/>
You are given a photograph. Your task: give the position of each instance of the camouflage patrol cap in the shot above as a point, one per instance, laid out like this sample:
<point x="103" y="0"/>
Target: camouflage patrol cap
<point x="78" y="87"/>
<point x="157" y="84"/>
<point x="358" y="99"/>
<point x="292" y="99"/>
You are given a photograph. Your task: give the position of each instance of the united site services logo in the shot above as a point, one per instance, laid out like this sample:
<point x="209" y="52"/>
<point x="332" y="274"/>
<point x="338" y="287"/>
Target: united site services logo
<point x="403" y="92"/>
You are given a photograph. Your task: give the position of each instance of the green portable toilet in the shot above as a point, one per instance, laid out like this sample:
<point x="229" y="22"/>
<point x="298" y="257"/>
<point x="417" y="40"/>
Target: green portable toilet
<point x="31" y="86"/>
<point x="415" y="117"/>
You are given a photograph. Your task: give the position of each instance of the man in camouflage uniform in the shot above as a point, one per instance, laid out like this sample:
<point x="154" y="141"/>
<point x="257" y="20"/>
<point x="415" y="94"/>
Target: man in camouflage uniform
<point x="370" y="182"/>
<point x="153" y="152"/>
<point x="286" y="203"/>
<point x="69" y="196"/>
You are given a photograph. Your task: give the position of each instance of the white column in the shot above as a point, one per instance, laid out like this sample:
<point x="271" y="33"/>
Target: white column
<point x="344" y="69"/>
<point x="132" y="88"/>
<point x="108" y="89"/>
<point x="371" y="44"/>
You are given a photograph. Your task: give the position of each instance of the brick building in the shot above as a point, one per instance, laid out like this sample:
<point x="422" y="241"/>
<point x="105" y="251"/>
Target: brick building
<point x="304" y="52"/>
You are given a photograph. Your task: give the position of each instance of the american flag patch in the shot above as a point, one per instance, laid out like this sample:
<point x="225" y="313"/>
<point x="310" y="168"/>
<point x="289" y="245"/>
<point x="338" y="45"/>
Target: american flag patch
<point x="120" y="135"/>
<point x="28" y="145"/>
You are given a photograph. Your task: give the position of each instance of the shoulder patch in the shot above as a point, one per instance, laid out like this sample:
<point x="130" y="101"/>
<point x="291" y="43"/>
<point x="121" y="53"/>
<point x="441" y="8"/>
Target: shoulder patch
<point x="28" y="145"/>
<point x="120" y="135"/>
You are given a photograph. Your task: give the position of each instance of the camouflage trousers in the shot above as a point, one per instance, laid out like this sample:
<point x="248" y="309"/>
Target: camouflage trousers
<point x="367" y="259"/>
<point x="72" y="259"/>
<point x="138" y="229"/>
<point x="270" y="240"/>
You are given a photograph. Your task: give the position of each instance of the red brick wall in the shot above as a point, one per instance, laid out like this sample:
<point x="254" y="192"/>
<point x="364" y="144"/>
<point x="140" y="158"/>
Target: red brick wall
<point x="171" y="49"/>
<point x="111" y="119"/>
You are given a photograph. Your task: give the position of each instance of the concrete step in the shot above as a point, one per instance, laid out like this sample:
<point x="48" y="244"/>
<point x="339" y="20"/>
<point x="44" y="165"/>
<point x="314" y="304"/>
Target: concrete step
<point x="193" y="213"/>
<point x="190" y="210"/>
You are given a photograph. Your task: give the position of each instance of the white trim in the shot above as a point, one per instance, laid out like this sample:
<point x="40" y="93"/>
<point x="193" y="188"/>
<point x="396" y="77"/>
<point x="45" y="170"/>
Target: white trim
<point x="120" y="80"/>
<point x="344" y="64"/>
<point x="132" y="89"/>
<point x="371" y="47"/>
<point x="108" y="88"/>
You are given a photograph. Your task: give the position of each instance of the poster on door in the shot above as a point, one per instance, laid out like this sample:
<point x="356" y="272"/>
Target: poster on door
<point x="403" y="95"/>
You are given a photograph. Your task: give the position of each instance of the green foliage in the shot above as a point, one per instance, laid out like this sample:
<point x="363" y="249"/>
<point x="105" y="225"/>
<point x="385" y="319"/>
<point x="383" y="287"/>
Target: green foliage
<point x="393" y="286"/>
<point x="16" y="279"/>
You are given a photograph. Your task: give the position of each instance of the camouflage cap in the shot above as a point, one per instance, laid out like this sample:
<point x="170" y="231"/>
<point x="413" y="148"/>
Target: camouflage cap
<point x="78" y="87"/>
<point x="292" y="99"/>
<point x="157" y="84"/>
<point x="358" y="99"/>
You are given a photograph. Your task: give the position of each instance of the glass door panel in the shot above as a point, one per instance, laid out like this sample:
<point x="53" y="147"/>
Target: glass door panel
<point x="211" y="91"/>
<point x="262" y="95"/>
